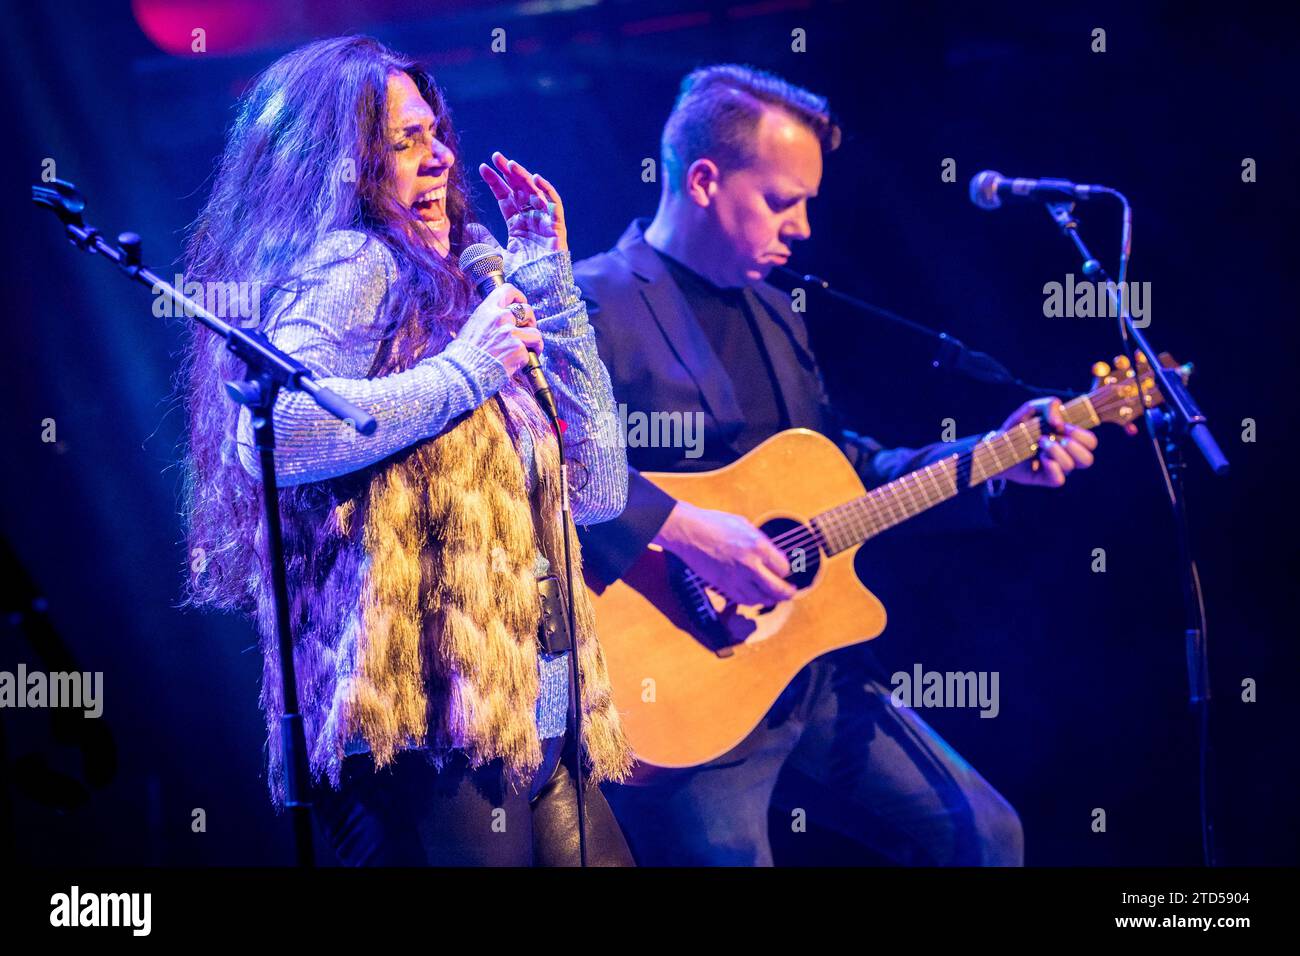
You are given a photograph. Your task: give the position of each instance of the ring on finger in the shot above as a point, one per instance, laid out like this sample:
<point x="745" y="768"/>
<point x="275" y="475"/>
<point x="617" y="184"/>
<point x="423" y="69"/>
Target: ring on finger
<point x="520" y="312"/>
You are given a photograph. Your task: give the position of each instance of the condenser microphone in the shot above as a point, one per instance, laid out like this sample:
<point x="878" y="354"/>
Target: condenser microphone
<point x="989" y="188"/>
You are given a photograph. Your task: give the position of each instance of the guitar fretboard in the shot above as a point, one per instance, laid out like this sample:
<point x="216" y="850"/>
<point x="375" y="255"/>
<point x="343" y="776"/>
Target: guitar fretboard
<point x="853" y="522"/>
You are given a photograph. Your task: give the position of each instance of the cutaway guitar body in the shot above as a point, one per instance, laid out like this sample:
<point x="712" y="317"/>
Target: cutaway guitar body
<point x="694" y="674"/>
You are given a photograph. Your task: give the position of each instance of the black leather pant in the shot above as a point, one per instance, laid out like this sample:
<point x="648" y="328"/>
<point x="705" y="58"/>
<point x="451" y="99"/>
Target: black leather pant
<point x="412" y="814"/>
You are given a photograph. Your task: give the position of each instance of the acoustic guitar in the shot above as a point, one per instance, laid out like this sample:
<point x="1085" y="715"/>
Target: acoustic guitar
<point x="694" y="673"/>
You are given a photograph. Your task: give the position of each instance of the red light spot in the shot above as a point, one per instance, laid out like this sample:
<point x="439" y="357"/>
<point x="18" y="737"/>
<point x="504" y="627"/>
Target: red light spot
<point x="229" y="26"/>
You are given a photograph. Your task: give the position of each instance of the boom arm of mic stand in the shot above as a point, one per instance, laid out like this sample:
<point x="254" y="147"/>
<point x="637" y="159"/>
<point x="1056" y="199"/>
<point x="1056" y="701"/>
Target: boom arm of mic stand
<point x="1186" y="416"/>
<point x="952" y="352"/>
<point x="253" y="348"/>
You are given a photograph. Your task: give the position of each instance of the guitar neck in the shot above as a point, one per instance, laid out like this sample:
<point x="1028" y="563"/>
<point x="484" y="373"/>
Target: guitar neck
<point x="853" y="522"/>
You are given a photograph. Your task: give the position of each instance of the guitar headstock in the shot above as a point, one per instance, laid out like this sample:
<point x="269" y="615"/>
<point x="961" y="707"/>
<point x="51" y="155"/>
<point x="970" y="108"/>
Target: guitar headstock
<point x="1121" y="393"/>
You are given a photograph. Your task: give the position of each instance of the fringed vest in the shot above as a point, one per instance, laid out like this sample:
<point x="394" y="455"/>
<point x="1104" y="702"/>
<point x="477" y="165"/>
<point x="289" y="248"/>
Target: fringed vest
<point x="415" y="615"/>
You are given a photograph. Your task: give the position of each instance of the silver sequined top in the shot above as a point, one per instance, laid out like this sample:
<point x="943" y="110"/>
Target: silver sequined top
<point x="330" y="328"/>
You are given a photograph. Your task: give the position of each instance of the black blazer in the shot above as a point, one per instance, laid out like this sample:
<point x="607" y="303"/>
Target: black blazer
<point x="660" y="360"/>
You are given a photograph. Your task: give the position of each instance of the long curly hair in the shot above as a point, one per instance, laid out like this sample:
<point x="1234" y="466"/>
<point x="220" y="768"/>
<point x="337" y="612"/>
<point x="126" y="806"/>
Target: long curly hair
<point x="307" y="154"/>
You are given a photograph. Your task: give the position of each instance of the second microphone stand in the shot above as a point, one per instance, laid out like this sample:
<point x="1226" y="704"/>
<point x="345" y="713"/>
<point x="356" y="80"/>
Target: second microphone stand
<point x="1170" y="428"/>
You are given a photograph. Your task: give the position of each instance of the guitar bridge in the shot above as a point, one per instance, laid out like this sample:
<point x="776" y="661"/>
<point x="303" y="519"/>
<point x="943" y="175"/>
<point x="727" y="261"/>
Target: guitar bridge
<point x="696" y="603"/>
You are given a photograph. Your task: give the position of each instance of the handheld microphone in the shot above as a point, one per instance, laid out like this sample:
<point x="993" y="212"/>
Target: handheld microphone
<point x="485" y="267"/>
<point x="989" y="188"/>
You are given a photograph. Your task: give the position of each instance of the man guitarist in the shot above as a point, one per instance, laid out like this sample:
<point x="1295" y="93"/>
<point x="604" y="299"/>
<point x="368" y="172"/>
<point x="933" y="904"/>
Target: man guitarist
<point x="686" y="323"/>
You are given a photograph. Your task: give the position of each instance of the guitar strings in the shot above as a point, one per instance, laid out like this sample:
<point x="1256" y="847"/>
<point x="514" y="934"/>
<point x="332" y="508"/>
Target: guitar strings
<point x="801" y="538"/>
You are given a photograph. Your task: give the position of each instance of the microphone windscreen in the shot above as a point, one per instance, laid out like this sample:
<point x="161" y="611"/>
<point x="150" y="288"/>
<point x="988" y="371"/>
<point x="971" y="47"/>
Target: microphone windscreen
<point x="984" y="189"/>
<point x="479" y="261"/>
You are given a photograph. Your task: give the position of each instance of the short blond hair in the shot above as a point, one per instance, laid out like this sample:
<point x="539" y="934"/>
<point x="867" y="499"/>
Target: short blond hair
<point x="717" y="113"/>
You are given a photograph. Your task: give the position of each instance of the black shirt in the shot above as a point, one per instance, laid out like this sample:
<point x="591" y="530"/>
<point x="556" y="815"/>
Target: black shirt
<point x="731" y="328"/>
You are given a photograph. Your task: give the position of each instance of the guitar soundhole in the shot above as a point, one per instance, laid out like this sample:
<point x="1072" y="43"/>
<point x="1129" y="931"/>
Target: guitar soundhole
<point x="721" y="628"/>
<point x="800" y="546"/>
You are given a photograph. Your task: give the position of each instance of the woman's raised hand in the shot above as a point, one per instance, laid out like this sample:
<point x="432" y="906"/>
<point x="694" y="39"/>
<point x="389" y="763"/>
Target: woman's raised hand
<point x="531" y="207"/>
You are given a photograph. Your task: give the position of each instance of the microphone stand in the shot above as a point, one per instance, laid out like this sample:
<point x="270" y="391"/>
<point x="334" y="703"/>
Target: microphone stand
<point x="575" y="671"/>
<point x="1169" y="428"/>
<point x="483" y="261"/>
<point x="953" y="354"/>
<point x="546" y="401"/>
<point x="269" y="371"/>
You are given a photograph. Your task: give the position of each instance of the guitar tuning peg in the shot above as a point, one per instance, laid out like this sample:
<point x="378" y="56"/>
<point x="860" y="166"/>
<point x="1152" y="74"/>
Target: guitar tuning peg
<point x="1141" y="358"/>
<point x="1122" y="363"/>
<point x="1100" y="370"/>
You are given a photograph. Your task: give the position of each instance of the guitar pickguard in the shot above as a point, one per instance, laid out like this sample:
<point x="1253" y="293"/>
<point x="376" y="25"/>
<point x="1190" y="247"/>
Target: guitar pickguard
<point x="721" y="624"/>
